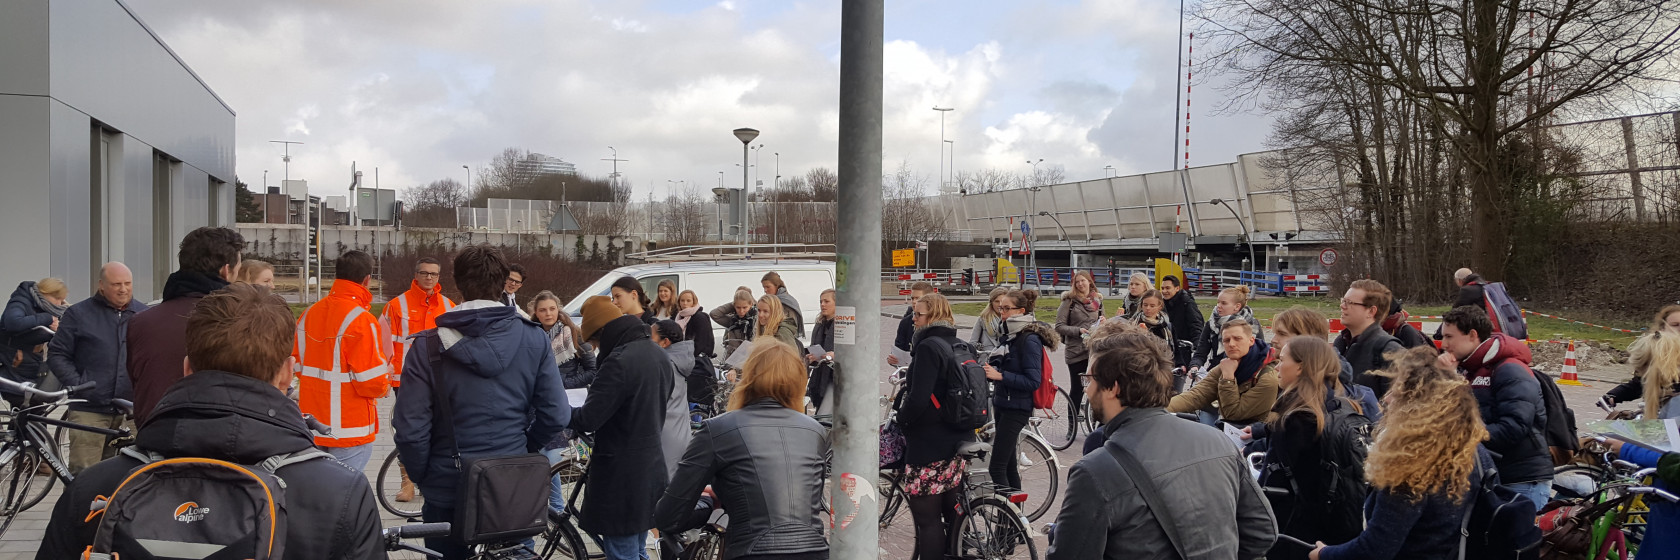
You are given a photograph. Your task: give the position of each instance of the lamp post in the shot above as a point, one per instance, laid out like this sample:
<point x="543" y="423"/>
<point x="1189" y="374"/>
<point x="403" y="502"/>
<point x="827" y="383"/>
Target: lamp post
<point x="1110" y="169"/>
<point x="942" y="111"/>
<point x="1063" y="230"/>
<point x="717" y="204"/>
<point x="746" y="136"/>
<point x="775" y="212"/>
<point x="1240" y="222"/>
<point x="469" y="180"/>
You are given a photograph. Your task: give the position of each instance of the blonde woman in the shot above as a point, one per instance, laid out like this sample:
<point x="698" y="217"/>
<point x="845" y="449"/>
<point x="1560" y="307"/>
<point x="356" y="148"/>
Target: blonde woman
<point x="28" y="324"/>
<point x="1135" y="288"/>
<point x="1232" y="304"/>
<point x="773" y="321"/>
<point x="988" y="330"/>
<point x="738" y="318"/>
<point x="1644" y="353"/>
<point x="256" y="272"/>
<point x="1422" y="466"/>
<point x="1080" y="311"/>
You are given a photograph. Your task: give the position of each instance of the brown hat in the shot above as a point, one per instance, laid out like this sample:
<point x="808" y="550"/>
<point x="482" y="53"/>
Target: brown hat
<point x="597" y="312"/>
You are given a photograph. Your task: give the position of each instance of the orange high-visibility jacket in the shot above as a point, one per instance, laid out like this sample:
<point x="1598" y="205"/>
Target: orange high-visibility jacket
<point x="409" y="313"/>
<point x="341" y="365"/>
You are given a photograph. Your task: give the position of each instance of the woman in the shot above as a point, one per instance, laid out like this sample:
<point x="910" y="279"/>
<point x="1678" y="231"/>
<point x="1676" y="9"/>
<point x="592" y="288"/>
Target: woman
<point x="738" y="318"/>
<point x="696" y="324"/>
<point x="257" y="272"/>
<point x="1308" y="370"/>
<point x="27" y="325"/>
<point x="665" y="301"/>
<point x="1014" y="378"/>
<point x="631" y="298"/>
<point x="773" y="285"/>
<point x="1135" y="288"/>
<point x="1300" y="321"/>
<point x="1245" y="383"/>
<point x="773" y="321"/>
<point x="988" y="330"/>
<point x="575" y="356"/>
<point x="764" y="461"/>
<point x="1232" y="304"/>
<point x="1665" y="325"/>
<point x="932" y="470"/>
<point x="1080" y="311"/>
<point x="1422" y="466"/>
<point x="1152" y="315"/>
<point x="1656" y="362"/>
<point x="822" y="377"/>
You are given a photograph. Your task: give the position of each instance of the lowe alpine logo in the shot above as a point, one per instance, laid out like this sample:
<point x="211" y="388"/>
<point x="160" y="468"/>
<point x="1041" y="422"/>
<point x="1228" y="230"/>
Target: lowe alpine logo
<point x="190" y="512"/>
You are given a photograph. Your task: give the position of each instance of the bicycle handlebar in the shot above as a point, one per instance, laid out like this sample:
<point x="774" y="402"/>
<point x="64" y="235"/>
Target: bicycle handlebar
<point x="29" y="388"/>
<point x="417" y="531"/>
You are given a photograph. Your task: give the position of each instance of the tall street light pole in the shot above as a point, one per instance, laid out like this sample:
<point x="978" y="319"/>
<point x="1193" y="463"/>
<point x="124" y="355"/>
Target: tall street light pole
<point x="746" y="136"/>
<point x="942" y="111"/>
<point x="1246" y="239"/>
<point x="469" y="180"/>
<point x="1032" y="258"/>
<point x="775" y="208"/>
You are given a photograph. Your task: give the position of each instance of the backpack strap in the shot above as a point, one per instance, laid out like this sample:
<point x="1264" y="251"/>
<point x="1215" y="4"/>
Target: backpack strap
<point x="144" y="456"/>
<point x="1151" y="496"/>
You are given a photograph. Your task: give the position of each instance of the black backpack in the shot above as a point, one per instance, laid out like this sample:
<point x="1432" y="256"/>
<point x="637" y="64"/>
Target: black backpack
<point x="1498" y="522"/>
<point x="1339" y="500"/>
<point x="1561" y="437"/>
<point x="967" y="402"/>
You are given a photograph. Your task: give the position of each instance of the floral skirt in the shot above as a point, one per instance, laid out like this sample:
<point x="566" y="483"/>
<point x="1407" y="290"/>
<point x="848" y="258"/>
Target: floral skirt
<point x="933" y="478"/>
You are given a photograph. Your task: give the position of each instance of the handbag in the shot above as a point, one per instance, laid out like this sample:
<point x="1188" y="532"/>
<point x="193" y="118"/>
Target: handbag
<point x="499" y="498"/>
<point x="1151" y="496"/>
<point x="892" y="445"/>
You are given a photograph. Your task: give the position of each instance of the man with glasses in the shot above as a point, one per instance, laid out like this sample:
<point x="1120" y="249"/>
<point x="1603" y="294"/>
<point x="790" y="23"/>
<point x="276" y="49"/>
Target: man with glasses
<point x="1363" y="343"/>
<point x="515" y="281"/>
<point x="411" y="312"/>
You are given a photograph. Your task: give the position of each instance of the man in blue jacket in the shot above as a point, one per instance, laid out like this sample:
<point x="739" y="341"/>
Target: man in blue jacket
<point x="92" y="345"/>
<point x="1508" y="395"/>
<point x="500" y="379"/>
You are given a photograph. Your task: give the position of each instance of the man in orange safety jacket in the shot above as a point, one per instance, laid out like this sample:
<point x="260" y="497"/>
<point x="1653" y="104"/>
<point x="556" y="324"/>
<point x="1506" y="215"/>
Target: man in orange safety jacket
<point x="415" y="310"/>
<point x="342" y="371"/>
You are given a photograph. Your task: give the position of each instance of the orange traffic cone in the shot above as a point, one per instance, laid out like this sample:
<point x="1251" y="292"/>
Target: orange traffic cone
<point x="1569" y="376"/>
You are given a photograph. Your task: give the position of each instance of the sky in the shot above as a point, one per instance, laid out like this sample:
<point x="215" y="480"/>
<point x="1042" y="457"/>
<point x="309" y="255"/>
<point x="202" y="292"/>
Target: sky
<point x="419" y="88"/>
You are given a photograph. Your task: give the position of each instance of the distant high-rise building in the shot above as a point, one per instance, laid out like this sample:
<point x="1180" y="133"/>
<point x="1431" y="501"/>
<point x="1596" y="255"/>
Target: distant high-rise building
<point x="537" y="165"/>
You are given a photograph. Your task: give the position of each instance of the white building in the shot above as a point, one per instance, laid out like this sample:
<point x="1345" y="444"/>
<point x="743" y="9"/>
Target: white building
<point x="537" y="165"/>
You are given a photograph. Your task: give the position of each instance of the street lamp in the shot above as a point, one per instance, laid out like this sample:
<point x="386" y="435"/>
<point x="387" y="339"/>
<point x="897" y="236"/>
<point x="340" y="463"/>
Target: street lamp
<point x="1110" y="169"/>
<point x="942" y="111"/>
<point x="717" y="204"/>
<point x="1246" y="239"/>
<point x="469" y="179"/>
<point x="775" y="211"/>
<point x="746" y="136"/>
<point x="1034" y="165"/>
<point x="1063" y="230"/>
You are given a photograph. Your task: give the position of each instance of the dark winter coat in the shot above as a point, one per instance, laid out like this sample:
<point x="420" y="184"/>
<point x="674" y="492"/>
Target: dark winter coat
<point x="927" y="437"/>
<point x="1509" y="398"/>
<point x="579" y="372"/>
<point x="699" y="330"/>
<point x="506" y="394"/>
<point x="822" y="333"/>
<point x="1472" y="294"/>
<point x="906" y="329"/>
<point x="626" y="412"/>
<point x="1186" y="319"/>
<point x="92" y="345"/>
<point x="1293" y="447"/>
<point x="19" y="333"/>
<point x="1398" y="323"/>
<point x="1396" y="526"/>
<point x="330" y="509"/>
<point x="1366" y="353"/>
<point x="1361" y="394"/>
<point x="1023" y="366"/>
<point x="790" y="307"/>
<point x="157" y="339"/>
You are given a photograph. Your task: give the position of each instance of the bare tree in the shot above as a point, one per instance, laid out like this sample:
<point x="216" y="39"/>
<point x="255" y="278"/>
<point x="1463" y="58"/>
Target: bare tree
<point x="825" y="185"/>
<point x="434" y="204"/>
<point x="906" y="215"/>
<point x="682" y="216"/>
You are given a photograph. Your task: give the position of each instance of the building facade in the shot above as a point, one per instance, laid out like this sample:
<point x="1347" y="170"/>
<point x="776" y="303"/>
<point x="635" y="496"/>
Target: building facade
<point x="111" y="148"/>
<point x="537" y="165"/>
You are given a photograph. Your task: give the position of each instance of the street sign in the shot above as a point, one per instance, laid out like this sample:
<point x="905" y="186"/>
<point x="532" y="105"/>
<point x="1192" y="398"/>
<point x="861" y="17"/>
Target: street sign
<point x="1025" y="228"/>
<point x="1327" y="257"/>
<point x="903" y="257"/>
<point x="921" y="245"/>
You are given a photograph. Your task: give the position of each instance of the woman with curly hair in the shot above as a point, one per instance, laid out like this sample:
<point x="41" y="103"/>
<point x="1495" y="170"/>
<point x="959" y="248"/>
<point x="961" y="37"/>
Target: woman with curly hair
<point x="1421" y="466"/>
<point x="1656" y="367"/>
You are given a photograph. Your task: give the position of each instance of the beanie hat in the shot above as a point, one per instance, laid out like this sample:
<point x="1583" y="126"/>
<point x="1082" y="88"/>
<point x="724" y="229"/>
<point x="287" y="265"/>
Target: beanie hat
<point x="669" y="330"/>
<point x="597" y="312"/>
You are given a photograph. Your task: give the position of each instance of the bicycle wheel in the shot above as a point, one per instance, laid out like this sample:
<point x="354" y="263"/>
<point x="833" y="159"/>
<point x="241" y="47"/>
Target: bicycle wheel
<point x="709" y="547"/>
<point x="40" y="483"/>
<point x="991" y="529"/>
<point x="1059" y="429"/>
<point x="892" y="498"/>
<point x="1038" y="476"/>
<point x="21" y="486"/>
<point x="389" y="483"/>
<point x="562" y="539"/>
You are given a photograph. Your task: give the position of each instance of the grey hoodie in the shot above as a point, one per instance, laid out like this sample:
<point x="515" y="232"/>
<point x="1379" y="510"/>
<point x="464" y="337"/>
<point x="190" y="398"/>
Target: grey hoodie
<point x="674" y="436"/>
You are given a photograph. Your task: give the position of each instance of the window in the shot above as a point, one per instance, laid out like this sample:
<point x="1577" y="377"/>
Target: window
<point x="163" y="237"/>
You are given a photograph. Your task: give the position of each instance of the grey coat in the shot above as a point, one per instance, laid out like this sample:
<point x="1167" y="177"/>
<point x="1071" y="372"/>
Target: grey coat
<point x="674" y="436"/>
<point x="1070" y="317"/>
<point x="1213" y="499"/>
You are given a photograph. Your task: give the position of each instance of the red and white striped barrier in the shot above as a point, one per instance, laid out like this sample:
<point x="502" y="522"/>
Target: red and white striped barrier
<point x="1306" y="288"/>
<point x="1304" y="277"/>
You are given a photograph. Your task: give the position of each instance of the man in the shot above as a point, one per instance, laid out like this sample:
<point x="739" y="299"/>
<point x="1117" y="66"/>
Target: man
<point x="342" y="367"/>
<point x="1363" y="343"/>
<point x="678" y="427"/>
<point x="231" y="406"/>
<point x="515" y="281"/>
<point x="1508" y="395"/>
<point x="499" y="376"/>
<point x="1206" y="491"/>
<point x="411" y="312"/>
<point x="92" y="345"/>
<point x="157" y="342"/>
<point x="907" y="324"/>
<point x="1185" y="316"/>
<point x="1398" y="323"/>
<point x="626" y="411"/>
<point x="1470" y="291"/>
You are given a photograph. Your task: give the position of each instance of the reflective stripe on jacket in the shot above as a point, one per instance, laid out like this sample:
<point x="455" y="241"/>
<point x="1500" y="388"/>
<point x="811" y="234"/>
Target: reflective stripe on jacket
<point x="342" y="370"/>
<point x="409" y="313"/>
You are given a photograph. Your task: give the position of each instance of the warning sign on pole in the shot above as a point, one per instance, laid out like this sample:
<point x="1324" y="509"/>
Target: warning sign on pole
<point x="1327" y="257"/>
<point x="904" y="257"/>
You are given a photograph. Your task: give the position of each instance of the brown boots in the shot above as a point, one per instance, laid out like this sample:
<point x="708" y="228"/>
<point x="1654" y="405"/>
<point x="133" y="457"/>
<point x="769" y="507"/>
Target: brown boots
<point x="406" y="493"/>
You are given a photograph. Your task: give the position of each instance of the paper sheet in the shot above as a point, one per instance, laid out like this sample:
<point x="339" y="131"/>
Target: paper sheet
<point x="903" y="356"/>
<point x="1235" y="434"/>
<point x="817" y="350"/>
<point x="577" y="396"/>
<point x="740" y="356"/>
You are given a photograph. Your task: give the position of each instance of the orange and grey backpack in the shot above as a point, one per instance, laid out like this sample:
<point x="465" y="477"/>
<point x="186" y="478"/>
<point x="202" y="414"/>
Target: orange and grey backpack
<point x="194" y="507"/>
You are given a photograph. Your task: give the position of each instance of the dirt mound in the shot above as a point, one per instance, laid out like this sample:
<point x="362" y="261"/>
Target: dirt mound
<point x="1589" y="355"/>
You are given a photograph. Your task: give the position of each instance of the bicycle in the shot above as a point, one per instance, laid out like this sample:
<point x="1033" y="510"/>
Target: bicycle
<point x="989" y="525"/>
<point x="27" y="445"/>
<point x="394" y="536"/>
<point x="563" y="536"/>
<point x="1064" y="429"/>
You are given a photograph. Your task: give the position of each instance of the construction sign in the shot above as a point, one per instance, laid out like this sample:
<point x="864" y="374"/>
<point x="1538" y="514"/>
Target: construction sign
<point x="903" y="257"/>
<point x="1165" y="268"/>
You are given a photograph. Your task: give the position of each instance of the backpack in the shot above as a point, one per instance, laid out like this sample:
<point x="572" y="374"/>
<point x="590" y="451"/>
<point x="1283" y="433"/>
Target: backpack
<point x="1507" y="316"/>
<point x="1561" y="436"/>
<point x="1498" y="522"/>
<point x="1045" y="396"/>
<point x="1343" y="447"/>
<point x="219" y="509"/>
<point x="967" y="403"/>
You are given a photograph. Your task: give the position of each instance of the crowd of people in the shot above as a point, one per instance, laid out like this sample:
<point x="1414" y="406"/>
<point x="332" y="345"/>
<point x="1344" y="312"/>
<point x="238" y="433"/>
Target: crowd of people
<point x="1375" y="443"/>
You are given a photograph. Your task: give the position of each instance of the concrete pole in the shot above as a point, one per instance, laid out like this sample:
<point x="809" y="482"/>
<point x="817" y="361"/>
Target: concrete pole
<point x="856" y="432"/>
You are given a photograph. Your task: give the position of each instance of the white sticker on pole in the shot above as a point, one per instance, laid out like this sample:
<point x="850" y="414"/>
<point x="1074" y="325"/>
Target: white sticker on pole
<point x="845" y="325"/>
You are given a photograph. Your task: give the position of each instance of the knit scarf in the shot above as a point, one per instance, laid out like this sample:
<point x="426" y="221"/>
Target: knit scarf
<point x="42" y="303"/>
<point x="560" y="341"/>
<point x="684" y="315"/>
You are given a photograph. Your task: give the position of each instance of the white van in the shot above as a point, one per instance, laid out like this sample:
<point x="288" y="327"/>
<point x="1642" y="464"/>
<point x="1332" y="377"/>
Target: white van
<point x="714" y="282"/>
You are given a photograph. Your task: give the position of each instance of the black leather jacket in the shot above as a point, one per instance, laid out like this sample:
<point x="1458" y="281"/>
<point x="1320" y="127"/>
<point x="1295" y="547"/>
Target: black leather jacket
<point x="765" y="463"/>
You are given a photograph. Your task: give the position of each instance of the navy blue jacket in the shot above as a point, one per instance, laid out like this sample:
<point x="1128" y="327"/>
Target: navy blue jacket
<point x="1023" y="366"/>
<point x="18" y="334"/>
<point x="906" y="330"/>
<point x="1508" y="396"/>
<point x="501" y="382"/>
<point x="92" y="345"/>
<point x="1397" y="527"/>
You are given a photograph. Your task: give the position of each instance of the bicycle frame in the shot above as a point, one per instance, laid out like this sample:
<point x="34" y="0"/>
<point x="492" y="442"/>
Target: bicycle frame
<point x="28" y="421"/>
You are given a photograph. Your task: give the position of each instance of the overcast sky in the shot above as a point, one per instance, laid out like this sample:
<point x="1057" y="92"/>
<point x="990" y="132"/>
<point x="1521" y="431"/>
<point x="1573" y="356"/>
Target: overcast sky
<point x="419" y="88"/>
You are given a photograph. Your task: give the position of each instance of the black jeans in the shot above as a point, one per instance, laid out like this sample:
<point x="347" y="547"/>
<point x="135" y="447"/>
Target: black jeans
<point x="1076" y="385"/>
<point x="934" y="516"/>
<point x="450" y="547"/>
<point x="1003" y="469"/>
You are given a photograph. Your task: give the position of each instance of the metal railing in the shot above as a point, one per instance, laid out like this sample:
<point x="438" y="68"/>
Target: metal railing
<point x="774" y="251"/>
<point x="1203" y="281"/>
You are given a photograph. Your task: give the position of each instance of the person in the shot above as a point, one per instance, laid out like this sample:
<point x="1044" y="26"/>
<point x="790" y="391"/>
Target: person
<point x="89" y="347"/>
<point x="988" y="329"/>
<point x="1666" y="324"/>
<point x="1508" y="396"/>
<point x="515" y="281"/>
<point x="764" y="462"/>
<point x="773" y="285"/>
<point x="1080" y="311"/>
<point x="1363" y="342"/>
<point x="1186" y="319"/>
<point x="1300" y="321"/>
<point x="631" y="298"/>
<point x="1657" y="358"/>
<point x="1232" y="304"/>
<point x="775" y="322"/>
<point x="664" y="301"/>
<point x="209" y="258"/>
<point x="413" y="311"/>
<point x="1135" y="288"/>
<point x="1244" y="384"/>
<point x="257" y="272"/>
<point x="1015" y="375"/>
<point x="1151" y="315"/>
<point x="1422" y="466"/>
<point x="1398" y="325"/>
<point x="342" y="372"/>
<point x="626" y="412"/>
<point x="738" y="319"/>
<point x="677" y="427"/>
<point x="932" y="471"/>
<point x="238" y="344"/>
<point x="1662" y="525"/>
<point x="575" y="357"/>
<point x="1308" y="370"/>
<point x="820" y="388"/>
<point x="1470" y="288"/>
<point x="696" y="324"/>
<point x="496" y="371"/>
<point x="31" y="318"/>
<point x="907" y="323"/>
<point x="1205" y="486"/>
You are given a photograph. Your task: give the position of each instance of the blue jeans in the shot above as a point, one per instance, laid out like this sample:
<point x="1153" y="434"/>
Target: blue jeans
<point x="556" y="495"/>
<point x="624" y="547"/>
<point x="1539" y="491"/>
<point x="356" y="457"/>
